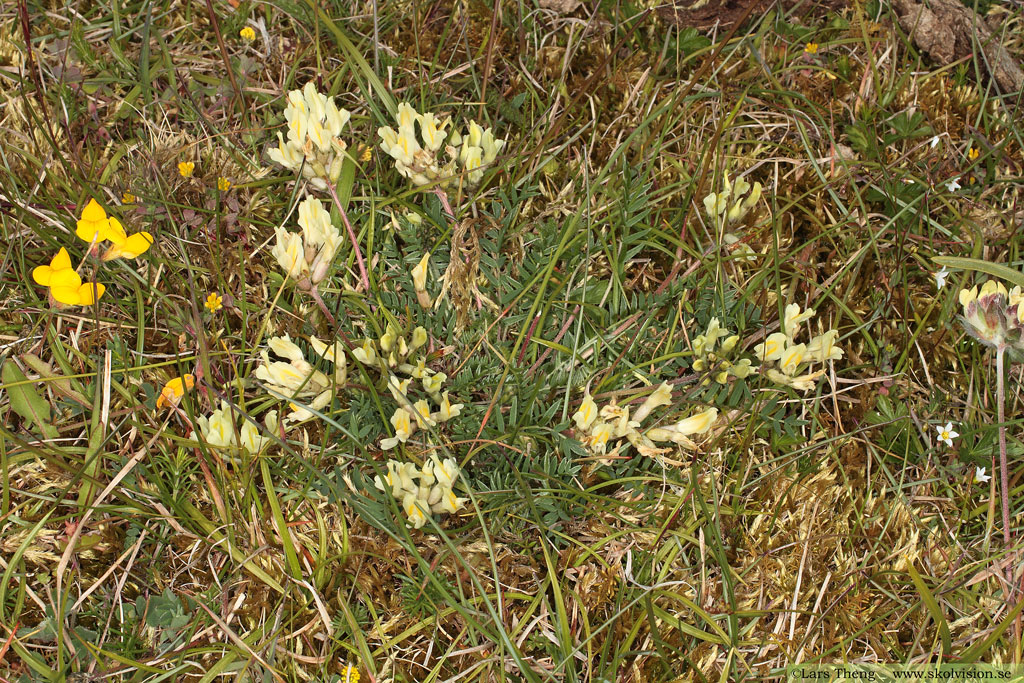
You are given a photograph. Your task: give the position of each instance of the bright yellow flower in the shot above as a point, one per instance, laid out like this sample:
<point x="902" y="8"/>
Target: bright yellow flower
<point x="247" y="34"/>
<point x="186" y="169"/>
<point x="350" y="674"/>
<point x="127" y="198"/>
<point x="223" y="184"/>
<point x="214" y="302"/>
<point x="93" y="226"/>
<point x="973" y="153"/>
<point x="125" y="245"/>
<point x="174" y="390"/>
<point x="65" y="284"/>
<point x="811" y="48"/>
<point x="66" y="287"/>
<point x="43" y="274"/>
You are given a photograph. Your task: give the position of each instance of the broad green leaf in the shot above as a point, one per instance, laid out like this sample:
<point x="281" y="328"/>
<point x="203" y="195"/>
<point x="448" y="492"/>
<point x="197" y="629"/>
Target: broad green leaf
<point x="61" y="384"/>
<point x="933" y="608"/>
<point x="26" y="401"/>
<point x="282" y="527"/>
<point x="994" y="269"/>
<point x="346" y="181"/>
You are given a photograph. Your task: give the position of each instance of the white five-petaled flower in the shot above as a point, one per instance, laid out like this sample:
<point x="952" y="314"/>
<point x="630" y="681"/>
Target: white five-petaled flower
<point x="979" y="475"/>
<point x="954" y="184"/>
<point x="940" y="278"/>
<point x="947" y="434"/>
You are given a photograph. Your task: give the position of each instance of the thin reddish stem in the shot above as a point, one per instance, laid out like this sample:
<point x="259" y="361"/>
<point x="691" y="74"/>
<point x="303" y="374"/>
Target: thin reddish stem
<point x="352" y="237"/>
<point x="322" y="305"/>
<point x="443" y="196"/>
<point x="1004" y="477"/>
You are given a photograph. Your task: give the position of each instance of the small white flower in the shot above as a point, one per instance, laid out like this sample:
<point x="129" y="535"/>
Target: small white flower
<point x="979" y="475"/>
<point x="940" y="278"/>
<point x="947" y="434"/>
<point x="953" y="185"/>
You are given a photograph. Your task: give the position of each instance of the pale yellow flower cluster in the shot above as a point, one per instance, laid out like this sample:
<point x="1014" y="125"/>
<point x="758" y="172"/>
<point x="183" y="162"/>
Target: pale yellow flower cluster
<point x="314" y="143"/>
<point x="393" y="352"/>
<point x="306" y="257"/>
<point x="994" y="316"/>
<point x="600" y="427"/>
<point x="393" y="357"/>
<point x="784" y="361"/>
<point x="477" y="150"/>
<point x="732" y="204"/>
<point x="423" y="491"/>
<point x="220" y="431"/>
<point x="406" y="419"/>
<point x="296" y="379"/>
<point x="415" y="147"/>
<point x="714" y="359"/>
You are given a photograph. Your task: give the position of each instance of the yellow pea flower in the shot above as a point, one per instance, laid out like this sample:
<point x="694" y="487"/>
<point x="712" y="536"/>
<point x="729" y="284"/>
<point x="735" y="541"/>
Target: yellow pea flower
<point x="71" y="291"/>
<point x="124" y="245"/>
<point x="223" y="184"/>
<point x="43" y="274"/>
<point x="127" y="198"/>
<point x="811" y="48"/>
<point x="66" y="287"/>
<point x="186" y="169"/>
<point x="94" y="225"/>
<point x="587" y="413"/>
<point x="65" y="284"/>
<point x="449" y="502"/>
<point x="414" y="510"/>
<point x="247" y="34"/>
<point x="697" y="424"/>
<point x="174" y="390"/>
<point x="419" y="273"/>
<point x="791" y="359"/>
<point x="662" y="396"/>
<point x="599" y="437"/>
